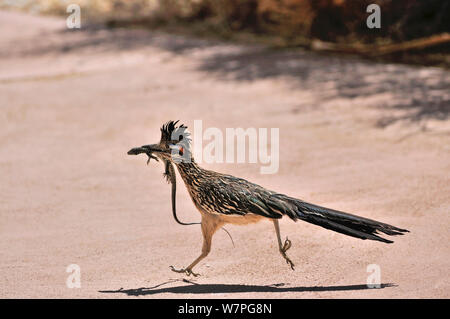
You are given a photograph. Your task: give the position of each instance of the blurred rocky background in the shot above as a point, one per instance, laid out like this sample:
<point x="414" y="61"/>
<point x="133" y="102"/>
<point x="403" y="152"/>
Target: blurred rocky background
<point x="412" y="31"/>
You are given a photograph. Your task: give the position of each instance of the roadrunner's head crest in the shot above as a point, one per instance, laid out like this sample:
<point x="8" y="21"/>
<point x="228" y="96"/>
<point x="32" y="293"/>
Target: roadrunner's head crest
<point x="173" y="134"/>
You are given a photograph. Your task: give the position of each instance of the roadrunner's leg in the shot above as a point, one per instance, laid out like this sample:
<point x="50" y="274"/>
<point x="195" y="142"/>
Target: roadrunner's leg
<point x="283" y="248"/>
<point x="209" y="227"/>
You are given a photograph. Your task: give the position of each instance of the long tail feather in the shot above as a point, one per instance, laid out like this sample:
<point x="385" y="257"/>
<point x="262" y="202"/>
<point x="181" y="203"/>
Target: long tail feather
<point x="335" y="220"/>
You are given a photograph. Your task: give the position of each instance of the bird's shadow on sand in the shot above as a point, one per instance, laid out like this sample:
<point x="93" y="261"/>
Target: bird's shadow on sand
<point x="196" y="288"/>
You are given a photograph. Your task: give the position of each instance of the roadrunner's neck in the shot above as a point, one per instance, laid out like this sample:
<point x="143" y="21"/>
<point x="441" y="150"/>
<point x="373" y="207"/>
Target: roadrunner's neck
<point x="189" y="171"/>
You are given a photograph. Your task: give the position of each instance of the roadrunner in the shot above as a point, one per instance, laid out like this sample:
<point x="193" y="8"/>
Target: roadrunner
<point x="223" y="199"/>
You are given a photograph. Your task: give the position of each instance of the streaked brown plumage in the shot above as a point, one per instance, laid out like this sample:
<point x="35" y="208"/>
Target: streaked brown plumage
<point x="222" y="199"/>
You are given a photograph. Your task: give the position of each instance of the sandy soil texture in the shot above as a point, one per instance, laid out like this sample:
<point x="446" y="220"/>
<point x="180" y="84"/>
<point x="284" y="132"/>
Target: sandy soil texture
<point x="362" y="137"/>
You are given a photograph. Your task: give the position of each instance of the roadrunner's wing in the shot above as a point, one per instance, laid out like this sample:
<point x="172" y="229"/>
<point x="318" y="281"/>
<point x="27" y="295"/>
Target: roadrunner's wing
<point x="230" y="195"/>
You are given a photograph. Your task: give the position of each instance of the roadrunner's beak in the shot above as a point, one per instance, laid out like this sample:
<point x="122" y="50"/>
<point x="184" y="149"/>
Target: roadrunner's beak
<point x="148" y="150"/>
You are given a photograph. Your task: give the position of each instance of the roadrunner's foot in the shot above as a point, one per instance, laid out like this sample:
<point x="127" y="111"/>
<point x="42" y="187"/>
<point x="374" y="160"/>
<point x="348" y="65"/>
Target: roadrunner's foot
<point x="284" y="249"/>
<point x="187" y="271"/>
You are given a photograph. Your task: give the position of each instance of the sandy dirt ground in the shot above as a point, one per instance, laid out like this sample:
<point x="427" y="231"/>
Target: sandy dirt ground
<point x="367" y="138"/>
